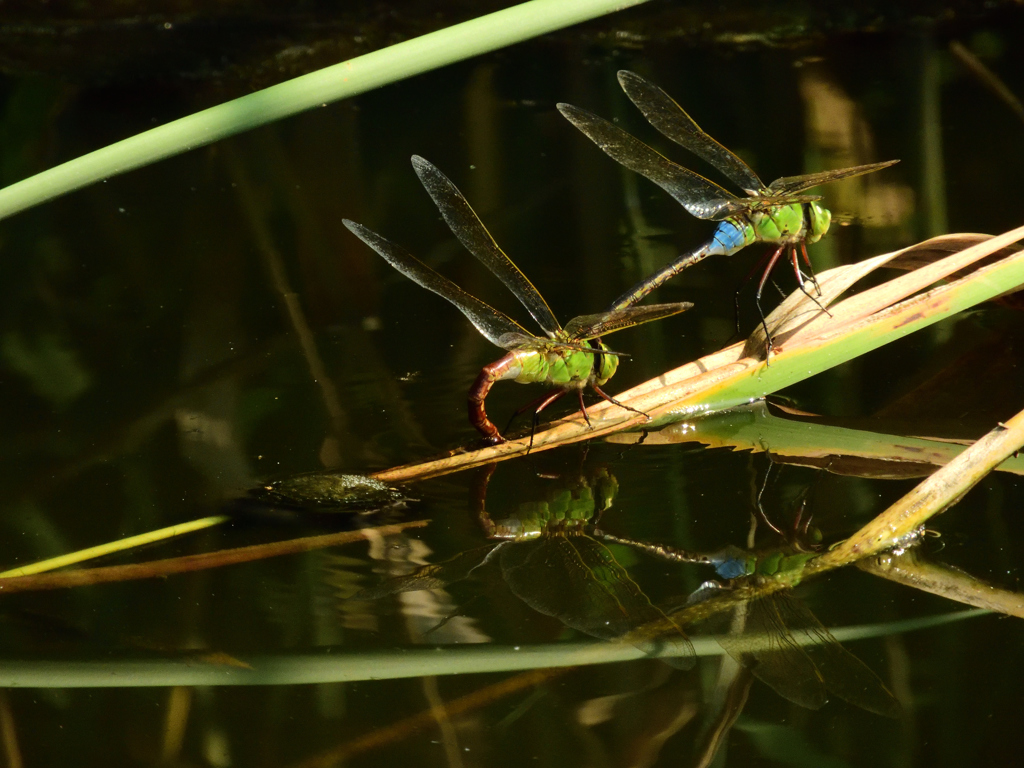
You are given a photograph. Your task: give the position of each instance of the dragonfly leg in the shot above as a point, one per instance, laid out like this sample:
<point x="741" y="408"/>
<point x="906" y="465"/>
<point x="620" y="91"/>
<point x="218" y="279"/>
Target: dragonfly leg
<point x="743" y="284"/>
<point x="801" y="527"/>
<point x="757" y="298"/>
<point x="803" y="283"/>
<point x="810" y="269"/>
<point x="534" y="406"/>
<point x="542" y="403"/>
<point x="760" y="494"/>
<point x="583" y="408"/>
<point x="604" y="396"/>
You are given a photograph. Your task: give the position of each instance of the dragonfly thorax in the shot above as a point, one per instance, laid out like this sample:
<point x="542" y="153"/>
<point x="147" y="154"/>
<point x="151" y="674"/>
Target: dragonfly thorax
<point x="805" y="222"/>
<point x="789" y="224"/>
<point x="562" y="366"/>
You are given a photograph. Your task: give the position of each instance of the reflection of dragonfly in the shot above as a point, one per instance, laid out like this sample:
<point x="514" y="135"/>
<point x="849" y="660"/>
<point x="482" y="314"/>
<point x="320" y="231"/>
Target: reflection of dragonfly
<point x="782" y="642"/>
<point x="776" y="213"/>
<point x="551" y="564"/>
<point x="570" y="358"/>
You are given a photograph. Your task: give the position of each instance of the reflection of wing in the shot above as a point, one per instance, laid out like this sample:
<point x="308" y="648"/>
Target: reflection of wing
<point x="494" y="325"/>
<point x="667" y="116"/>
<point x="845" y="675"/>
<point x="787" y="648"/>
<point x="591" y="326"/>
<point x="578" y="581"/>
<point x="466" y="225"/>
<point x="775" y="658"/>
<point x="699" y="196"/>
<point x="791" y="185"/>
<point x="434" y="576"/>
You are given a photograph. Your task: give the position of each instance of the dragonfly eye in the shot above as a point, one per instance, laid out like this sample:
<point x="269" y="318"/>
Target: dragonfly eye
<point x="818" y="219"/>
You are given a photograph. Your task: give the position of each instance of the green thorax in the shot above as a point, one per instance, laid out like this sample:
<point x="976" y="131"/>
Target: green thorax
<point x="567" y="510"/>
<point x="785" y="564"/>
<point x="784" y="224"/>
<point x="806" y="222"/>
<point x="561" y="366"/>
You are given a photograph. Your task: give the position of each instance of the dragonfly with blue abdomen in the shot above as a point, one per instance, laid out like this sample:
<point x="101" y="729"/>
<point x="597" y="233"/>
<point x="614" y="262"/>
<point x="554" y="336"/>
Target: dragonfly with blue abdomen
<point x="781" y="641"/>
<point x="780" y="212"/>
<point x="570" y="358"/>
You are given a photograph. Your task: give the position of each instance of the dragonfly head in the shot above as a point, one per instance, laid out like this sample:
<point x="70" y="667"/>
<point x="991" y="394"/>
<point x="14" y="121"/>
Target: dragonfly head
<point x="609" y="365"/>
<point x="818" y="219"/>
<point x="605" y="365"/>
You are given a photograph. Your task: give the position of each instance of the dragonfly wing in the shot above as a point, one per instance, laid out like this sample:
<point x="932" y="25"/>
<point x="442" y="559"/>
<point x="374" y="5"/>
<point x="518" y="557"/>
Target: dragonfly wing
<point x="699" y="196"/>
<point x="845" y="675"/>
<point x="496" y="326"/>
<point x="522" y="341"/>
<point x="766" y="646"/>
<point x="587" y="327"/>
<point x="662" y="111"/>
<point x="791" y="185"/>
<point x="578" y="580"/>
<point x="433" y="576"/>
<point x="767" y="202"/>
<point x="471" y="232"/>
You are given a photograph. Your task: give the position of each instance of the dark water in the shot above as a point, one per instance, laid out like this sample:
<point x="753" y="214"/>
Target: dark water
<point x="152" y="369"/>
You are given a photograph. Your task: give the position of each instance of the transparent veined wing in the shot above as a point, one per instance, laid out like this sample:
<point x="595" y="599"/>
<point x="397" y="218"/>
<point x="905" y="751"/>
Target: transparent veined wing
<point x="765" y="645"/>
<point x="844" y="674"/>
<point x="591" y="326"/>
<point x="496" y="326"/>
<point x="788" y="649"/>
<point x="791" y="185"/>
<point x="699" y="196"/>
<point x="662" y="111"/>
<point x="431" y="576"/>
<point x="471" y="232"/>
<point x="577" y="579"/>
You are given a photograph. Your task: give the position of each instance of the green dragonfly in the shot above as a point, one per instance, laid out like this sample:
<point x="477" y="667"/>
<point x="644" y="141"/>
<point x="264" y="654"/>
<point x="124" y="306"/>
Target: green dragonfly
<point x="782" y="642"/>
<point x="569" y="358"/>
<point x="550" y="562"/>
<point x="777" y="213"/>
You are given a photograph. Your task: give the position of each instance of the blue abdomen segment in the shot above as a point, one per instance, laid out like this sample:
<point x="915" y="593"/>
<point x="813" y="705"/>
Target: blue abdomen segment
<point x="732" y="568"/>
<point x="729" y="237"/>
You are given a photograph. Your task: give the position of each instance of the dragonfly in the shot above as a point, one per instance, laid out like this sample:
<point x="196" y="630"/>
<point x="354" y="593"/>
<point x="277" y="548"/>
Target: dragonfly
<point x="782" y="642"/>
<point x="780" y="212"/>
<point x="550" y="562"/>
<point x="570" y="358"/>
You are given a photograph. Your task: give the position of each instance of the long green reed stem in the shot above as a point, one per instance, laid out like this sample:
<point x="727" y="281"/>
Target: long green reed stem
<point x="333" y="665"/>
<point x="372" y="70"/>
<point x="113" y="547"/>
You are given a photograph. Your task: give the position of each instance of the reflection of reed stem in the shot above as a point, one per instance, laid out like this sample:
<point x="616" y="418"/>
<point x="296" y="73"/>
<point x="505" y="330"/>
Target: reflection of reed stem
<point x="293" y="308"/>
<point x="735" y="700"/>
<point x="933" y="180"/>
<point x="439" y="711"/>
<point x="911" y="570"/>
<point x="987" y="77"/>
<point x="938" y="492"/>
<point x="410" y="725"/>
<point x="160" y="568"/>
<point x="179" y="702"/>
<point x="12" y="752"/>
